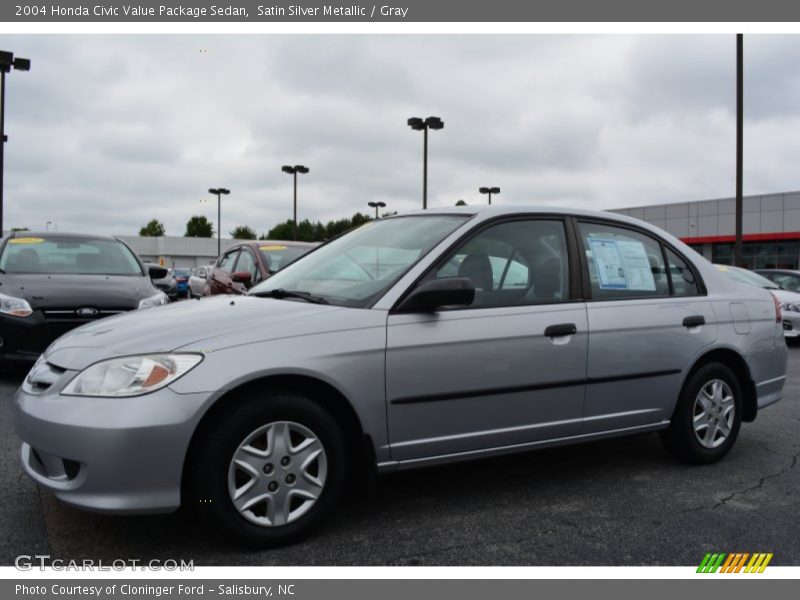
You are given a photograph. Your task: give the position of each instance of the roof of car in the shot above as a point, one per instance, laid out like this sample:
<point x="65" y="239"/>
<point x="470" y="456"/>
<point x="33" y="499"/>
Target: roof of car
<point x="257" y="243"/>
<point x="60" y="234"/>
<point x="486" y="210"/>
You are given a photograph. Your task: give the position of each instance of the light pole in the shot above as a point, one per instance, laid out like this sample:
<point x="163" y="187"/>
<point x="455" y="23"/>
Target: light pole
<point x="7" y="62"/>
<point x="376" y="206"/>
<point x="294" y="171"/>
<point x="737" y="246"/>
<point x="418" y="124"/>
<point x="219" y="192"/>
<point x="47" y="226"/>
<point x="490" y="191"/>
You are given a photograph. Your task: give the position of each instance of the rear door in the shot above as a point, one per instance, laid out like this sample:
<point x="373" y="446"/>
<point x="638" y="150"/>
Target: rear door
<point x="648" y="318"/>
<point x="505" y="371"/>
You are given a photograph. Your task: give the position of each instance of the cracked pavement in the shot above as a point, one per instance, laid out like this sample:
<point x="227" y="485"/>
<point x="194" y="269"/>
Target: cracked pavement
<point x="616" y="502"/>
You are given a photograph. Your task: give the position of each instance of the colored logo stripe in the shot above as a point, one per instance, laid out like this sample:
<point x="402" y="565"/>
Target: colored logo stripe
<point x="734" y="562"/>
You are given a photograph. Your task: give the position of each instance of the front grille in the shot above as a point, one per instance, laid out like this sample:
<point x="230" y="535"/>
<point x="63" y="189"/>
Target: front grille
<point x="71" y="314"/>
<point x="42" y="376"/>
<point x="787" y="326"/>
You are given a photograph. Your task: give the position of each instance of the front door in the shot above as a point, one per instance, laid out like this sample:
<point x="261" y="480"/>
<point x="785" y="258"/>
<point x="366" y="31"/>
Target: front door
<point x="508" y="370"/>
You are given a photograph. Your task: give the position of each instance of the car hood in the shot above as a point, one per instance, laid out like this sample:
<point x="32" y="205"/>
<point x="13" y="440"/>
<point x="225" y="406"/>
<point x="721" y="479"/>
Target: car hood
<point x="199" y="325"/>
<point x="72" y="291"/>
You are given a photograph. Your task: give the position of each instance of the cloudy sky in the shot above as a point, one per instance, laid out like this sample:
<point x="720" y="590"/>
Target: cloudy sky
<point x="108" y="132"/>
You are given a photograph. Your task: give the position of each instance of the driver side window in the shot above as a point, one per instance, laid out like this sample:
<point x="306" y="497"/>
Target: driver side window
<point x="513" y="263"/>
<point x="227" y="261"/>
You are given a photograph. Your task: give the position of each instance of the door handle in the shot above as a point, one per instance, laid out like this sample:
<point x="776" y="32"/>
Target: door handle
<point x="694" y="321"/>
<point x="560" y="330"/>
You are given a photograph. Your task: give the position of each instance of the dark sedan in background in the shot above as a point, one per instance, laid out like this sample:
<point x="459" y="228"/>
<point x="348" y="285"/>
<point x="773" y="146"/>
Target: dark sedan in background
<point x="245" y="264"/>
<point x="51" y="283"/>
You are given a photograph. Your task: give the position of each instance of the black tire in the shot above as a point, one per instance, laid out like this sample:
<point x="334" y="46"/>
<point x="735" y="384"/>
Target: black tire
<point x="680" y="438"/>
<point x="209" y="464"/>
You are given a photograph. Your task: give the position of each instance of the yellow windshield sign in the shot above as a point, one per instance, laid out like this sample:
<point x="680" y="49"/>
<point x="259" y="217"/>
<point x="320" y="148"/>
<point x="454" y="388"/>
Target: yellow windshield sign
<point x="271" y="248"/>
<point x="25" y="240"/>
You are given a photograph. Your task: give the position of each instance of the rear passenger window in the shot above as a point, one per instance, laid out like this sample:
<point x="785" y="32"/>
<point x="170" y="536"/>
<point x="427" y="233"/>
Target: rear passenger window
<point x="683" y="280"/>
<point x="623" y="263"/>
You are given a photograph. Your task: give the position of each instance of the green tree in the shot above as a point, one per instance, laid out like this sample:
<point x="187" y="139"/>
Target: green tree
<point x="20" y="229"/>
<point x="199" y="226"/>
<point x="461" y="203"/>
<point x="243" y="232"/>
<point x="315" y="231"/>
<point x="154" y="228"/>
<point x="282" y="231"/>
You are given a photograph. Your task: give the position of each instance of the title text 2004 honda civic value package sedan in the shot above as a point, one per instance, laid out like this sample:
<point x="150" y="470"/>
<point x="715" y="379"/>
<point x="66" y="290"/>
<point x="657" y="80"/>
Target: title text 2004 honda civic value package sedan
<point x="410" y="341"/>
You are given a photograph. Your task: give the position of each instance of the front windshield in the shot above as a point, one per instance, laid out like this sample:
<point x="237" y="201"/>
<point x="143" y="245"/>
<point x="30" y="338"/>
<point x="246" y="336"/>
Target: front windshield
<point x="748" y="277"/>
<point x="277" y="256"/>
<point x="69" y="256"/>
<point x="360" y="266"/>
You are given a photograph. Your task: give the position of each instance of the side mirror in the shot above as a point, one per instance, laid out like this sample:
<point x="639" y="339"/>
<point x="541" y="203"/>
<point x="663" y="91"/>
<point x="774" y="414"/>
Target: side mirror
<point x="157" y="272"/>
<point x="436" y="293"/>
<point x="241" y="277"/>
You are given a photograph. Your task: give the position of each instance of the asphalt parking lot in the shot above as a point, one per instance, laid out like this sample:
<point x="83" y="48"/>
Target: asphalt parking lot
<point x="619" y="502"/>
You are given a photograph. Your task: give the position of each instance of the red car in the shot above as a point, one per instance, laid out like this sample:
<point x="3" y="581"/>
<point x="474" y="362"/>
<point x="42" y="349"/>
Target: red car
<point x="247" y="263"/>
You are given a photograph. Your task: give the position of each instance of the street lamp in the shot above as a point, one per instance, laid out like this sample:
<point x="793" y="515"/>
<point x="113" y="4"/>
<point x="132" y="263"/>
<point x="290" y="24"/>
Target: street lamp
<point x="294" y="171"/>
<point x="490" y="191"/>
<point x="376" y="206"/>
<point x="423" y="125"/>
<point x="219" y="192"/>
<point x="7" y="62"/>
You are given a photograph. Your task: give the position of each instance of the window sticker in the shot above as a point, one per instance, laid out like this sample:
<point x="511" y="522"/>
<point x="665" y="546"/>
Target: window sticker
<point x="26" y="240"/>
<point x="271" y="248"/>
<point x="622" y="265"/>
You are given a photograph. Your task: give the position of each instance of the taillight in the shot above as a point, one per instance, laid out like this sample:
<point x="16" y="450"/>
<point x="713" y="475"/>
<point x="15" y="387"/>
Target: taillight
<point x="778" y="314"/>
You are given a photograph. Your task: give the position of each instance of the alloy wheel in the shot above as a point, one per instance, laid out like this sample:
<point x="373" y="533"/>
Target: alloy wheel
<point x="713" y="413"/>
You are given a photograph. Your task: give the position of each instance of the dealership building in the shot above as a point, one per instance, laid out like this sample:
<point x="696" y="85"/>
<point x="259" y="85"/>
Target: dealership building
<point x="173" y="251"/>
<point x="770" y="228"/>
<point x="771" y="232"/>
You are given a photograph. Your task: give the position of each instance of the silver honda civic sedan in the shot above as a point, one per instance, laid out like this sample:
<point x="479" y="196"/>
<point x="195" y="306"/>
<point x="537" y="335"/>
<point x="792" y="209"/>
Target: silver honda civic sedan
<point x="415" y="340"/>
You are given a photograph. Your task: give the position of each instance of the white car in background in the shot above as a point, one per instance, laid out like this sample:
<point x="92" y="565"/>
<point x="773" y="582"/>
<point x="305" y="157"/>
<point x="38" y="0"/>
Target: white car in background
<point x="790" y="301"/>
<point x="198" y="281"/>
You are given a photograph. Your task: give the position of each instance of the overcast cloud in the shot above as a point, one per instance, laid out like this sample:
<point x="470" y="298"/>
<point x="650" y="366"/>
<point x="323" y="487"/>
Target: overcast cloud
<point x="108" y="132"/>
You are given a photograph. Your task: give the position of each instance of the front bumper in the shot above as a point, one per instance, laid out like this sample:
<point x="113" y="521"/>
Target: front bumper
<point x="23" y="339"/>
<point x="122" y="455"/>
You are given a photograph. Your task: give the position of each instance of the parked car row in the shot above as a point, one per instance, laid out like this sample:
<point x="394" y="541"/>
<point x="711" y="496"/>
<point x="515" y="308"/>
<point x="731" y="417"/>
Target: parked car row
<point x="415" y="340"/>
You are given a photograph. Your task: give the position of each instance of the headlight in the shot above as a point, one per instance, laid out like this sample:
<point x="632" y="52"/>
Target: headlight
<point x="790" y="306"/>
<point x="131" y="375"/>
<point x="155" y="300"/>
<point x="16" y="307"/>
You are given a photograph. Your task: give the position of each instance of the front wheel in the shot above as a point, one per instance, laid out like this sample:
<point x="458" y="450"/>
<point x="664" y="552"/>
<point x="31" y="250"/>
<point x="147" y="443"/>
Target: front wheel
<point x="707" y="418"/>
<point x="269" y="472"/>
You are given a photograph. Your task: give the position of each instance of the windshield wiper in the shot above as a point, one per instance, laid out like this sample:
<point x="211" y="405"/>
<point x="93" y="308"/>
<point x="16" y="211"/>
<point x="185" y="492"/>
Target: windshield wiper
<point x="281" y="293"/>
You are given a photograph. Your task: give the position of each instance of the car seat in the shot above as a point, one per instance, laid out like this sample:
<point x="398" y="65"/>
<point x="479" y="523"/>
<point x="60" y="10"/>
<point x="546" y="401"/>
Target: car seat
<point x="478" y="269"/>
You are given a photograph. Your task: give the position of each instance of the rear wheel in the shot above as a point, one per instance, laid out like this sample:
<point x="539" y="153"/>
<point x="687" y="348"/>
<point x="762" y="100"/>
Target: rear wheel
<point x="707" y="418"/>
<point x="269" y="472"/>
